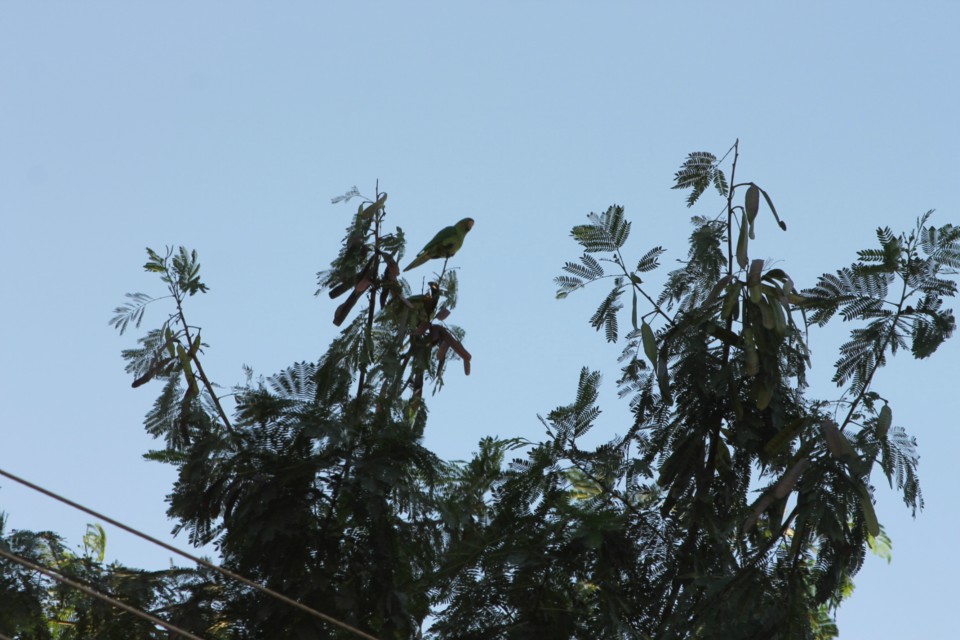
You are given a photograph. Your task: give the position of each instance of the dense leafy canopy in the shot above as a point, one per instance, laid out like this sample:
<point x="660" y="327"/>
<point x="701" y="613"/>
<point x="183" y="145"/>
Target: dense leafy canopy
<point x="733" y="506"/>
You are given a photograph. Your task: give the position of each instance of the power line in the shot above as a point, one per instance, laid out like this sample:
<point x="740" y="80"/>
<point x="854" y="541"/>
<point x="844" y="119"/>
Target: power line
<point x="225" y="572"/>
<point x="96" y="594"/>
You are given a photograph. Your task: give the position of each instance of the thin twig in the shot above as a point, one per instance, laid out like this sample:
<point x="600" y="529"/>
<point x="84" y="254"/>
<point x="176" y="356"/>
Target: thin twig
<point x="196" y="360"/>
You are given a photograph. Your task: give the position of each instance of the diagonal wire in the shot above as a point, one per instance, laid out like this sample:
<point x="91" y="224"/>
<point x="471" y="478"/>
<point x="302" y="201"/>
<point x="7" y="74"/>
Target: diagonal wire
<point x="59" y="577"/>
<point x="225" y="572"/>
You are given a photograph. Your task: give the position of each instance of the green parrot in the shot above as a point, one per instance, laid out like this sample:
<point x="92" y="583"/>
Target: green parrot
<point x="446" y="243"/>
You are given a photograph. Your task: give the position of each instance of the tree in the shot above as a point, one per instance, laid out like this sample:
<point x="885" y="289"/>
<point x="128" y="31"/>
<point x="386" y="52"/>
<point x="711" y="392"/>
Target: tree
<point x="318" y="486"/>
<point x="733" y="506"/>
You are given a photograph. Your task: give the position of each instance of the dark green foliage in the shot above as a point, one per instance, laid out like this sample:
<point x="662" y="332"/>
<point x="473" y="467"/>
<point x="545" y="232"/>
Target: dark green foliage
<point x="732" y="505"/>
<point x="538" y="558"/>
<point x="36" y="607"/>
<point x="735" y="506"/>
<point x="912" y="316"/>
<point x="606" y="314"/>
<point x="697" y="173"/>
<point x="607" y="231"/>
<point x="688" y="284"/>
<point x="317" y="485"/>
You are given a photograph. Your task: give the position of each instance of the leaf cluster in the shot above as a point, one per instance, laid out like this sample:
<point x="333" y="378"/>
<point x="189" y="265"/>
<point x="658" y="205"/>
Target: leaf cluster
<point x="697" y="173"/>
<point x="910" y="316"/>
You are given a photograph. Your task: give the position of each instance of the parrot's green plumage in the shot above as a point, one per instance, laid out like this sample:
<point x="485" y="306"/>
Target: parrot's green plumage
<point x="446" y="243"/>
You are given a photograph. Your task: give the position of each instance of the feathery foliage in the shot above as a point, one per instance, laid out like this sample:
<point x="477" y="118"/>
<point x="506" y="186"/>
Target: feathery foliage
<point x="735" y="506"/>
<point x="34" y="606"/>
<point x="732" y="505"/>
<point x="317" y="485"/>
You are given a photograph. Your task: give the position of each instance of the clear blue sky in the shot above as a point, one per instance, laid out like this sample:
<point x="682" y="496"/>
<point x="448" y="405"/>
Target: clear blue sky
<point x="228" y="127"/>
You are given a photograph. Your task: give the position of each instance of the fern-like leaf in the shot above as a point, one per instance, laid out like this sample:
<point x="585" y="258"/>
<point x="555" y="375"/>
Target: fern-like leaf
<point x="871" y="255"/>
<point x="650" y="260"/>
<point x="567" y="285"/>
<point x="589" y="268"/>
<point x="607" y="231"/>
<point x="862" y="308"/>
<point x="297" y="382"/>
<point x="610" y="327"/>
<point x="696" y="173"/>
<point x="930" y="331"/>
<point x="353" y="192"/>
<point x="186" y="269"/>
<point x="132" y="311"/>
<point x="899" y="460"/>
<point x="943" y="244"/>
<point x="720" y="182"/>
<point x="606" y="314"/>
